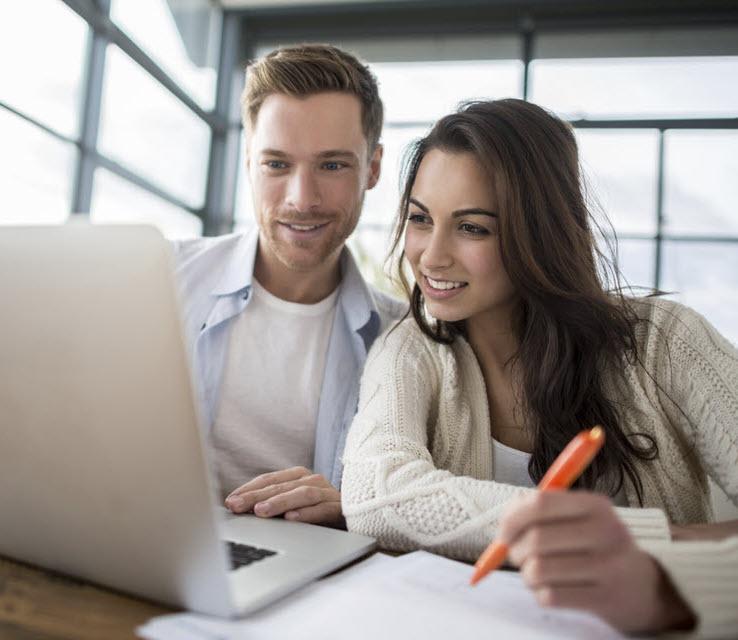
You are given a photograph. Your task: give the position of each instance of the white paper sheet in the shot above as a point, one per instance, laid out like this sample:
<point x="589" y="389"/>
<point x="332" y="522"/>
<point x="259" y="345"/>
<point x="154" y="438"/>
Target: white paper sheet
<point x="416" y="596"/>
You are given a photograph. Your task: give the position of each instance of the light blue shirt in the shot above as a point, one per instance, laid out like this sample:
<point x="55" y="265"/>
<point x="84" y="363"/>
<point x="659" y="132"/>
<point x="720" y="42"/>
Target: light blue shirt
<point x="215" y="276"/>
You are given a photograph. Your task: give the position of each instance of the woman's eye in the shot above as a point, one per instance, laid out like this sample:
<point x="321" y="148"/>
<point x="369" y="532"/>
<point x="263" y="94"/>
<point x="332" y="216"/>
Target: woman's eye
<point x="468" y="227"/>
<point x="418" y="218"/>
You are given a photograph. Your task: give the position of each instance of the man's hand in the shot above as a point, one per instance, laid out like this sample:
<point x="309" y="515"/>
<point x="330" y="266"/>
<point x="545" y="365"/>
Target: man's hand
<point x="574" y="552"/>
<point x="297" y="494"/>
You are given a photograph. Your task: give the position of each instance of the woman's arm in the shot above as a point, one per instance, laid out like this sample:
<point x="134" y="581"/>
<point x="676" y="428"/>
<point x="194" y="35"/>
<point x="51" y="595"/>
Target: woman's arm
<point x="697" y="374"/>
<point x="409" y="419"/>
<point x="709" y="531"/>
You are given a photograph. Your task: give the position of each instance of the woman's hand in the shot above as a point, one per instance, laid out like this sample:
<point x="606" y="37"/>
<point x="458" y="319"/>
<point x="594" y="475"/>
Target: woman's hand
<point x="574" y="552"/>
<point x="712" y="531"/>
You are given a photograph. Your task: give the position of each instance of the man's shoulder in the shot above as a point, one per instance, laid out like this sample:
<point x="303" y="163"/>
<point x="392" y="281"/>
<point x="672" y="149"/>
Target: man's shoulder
<point x="390" y="308"/>
<point x="194" y="250"/>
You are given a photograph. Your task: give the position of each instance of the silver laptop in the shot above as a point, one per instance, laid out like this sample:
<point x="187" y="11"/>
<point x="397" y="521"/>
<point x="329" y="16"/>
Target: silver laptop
<point x="103" y="472"/>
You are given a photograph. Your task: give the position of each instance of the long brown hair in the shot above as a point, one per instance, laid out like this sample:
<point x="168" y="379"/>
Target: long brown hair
<point x="572" y="319"/>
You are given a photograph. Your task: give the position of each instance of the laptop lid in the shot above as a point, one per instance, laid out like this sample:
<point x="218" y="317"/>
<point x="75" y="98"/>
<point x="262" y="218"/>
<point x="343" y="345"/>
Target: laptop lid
<point x="102" y="472"/>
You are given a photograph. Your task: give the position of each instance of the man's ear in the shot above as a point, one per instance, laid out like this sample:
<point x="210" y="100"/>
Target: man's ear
<point x="375" y="167"/>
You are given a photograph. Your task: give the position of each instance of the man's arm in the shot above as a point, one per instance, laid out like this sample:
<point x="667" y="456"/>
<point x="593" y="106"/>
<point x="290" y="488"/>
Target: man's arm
<point x="296" y="493"/>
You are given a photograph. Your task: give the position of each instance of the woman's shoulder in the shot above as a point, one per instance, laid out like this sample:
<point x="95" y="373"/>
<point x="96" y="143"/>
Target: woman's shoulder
<point x="405" y="342"/>
<point x="661" y="320"/>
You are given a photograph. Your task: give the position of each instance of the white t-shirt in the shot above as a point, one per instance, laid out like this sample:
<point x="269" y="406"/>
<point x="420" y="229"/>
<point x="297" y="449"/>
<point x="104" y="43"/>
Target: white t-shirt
<point x="273" y="376"/>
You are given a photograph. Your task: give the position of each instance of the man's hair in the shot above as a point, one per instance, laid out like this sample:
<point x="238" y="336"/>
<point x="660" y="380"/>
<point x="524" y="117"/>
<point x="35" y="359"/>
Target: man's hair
<point x="305" y="70"/>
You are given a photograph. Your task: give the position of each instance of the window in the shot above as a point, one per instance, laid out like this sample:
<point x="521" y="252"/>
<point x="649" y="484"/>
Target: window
<point x="182" y="38"/>
<point x="115" y="200"/>
<point x="148" y="130"/>
<point x="42" y="45"/>
<point x="35" y="173"/>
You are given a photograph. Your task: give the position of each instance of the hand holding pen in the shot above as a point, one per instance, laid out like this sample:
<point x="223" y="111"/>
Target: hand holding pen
<point x="574" y="552"/>
<point x="564" y="471"/>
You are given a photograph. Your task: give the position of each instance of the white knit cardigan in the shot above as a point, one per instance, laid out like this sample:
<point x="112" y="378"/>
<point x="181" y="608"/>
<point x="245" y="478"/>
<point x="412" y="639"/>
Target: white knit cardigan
<point x="418" y="459"/>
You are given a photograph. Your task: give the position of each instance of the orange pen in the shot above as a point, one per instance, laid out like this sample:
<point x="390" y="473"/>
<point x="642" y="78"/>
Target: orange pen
<point x="564" y="471"/>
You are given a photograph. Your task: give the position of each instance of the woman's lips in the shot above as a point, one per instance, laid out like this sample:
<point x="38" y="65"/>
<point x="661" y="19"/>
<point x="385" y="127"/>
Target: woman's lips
<point x="442" y="289"/>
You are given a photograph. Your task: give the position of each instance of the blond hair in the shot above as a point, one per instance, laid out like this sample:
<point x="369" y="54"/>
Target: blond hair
<point x="306" y="70"/>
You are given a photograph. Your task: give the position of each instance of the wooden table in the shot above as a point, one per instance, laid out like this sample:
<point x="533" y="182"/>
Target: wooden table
<point x="41" y="605"/>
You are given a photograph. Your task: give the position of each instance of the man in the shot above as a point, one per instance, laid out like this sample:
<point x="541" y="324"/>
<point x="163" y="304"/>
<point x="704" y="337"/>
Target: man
<point x="280" y="318"/>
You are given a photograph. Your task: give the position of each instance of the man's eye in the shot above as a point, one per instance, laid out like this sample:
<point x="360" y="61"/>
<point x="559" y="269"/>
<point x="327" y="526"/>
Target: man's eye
<point x="332" y="166"/>
<point x="275" y="164"/>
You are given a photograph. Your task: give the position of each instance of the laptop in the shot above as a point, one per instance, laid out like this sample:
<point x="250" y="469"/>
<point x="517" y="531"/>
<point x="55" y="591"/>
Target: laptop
<point x="103" y="470"/>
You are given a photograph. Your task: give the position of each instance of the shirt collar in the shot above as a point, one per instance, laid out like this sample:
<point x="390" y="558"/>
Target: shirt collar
<point x="239" y="273"/>
<point x="355" y="297"/>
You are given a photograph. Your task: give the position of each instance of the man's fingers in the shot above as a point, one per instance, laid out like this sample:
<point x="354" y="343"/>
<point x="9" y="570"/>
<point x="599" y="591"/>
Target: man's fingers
<point x="244" y="502"/>
<point x="274" y="477"/>
<point x="324" y="513"/>
<point x="303" y="496"/>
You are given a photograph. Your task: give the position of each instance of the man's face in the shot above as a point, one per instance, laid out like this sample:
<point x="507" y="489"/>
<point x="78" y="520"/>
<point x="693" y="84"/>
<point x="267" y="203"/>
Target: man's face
<point x="309" y="166"/>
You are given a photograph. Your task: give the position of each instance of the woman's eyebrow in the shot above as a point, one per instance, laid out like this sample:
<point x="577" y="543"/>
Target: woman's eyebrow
<point x="418" y="204"/>
<point x="474" y="212"/>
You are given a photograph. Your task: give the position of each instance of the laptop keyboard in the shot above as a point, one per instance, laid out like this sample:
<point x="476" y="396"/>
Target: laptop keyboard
<point x="243" y="554"/>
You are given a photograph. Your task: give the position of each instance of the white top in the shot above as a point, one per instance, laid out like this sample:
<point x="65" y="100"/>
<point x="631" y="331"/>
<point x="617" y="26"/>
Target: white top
<point x="268" y="407"/>
<point x="418" y="458"/>
<point x="510" y="465"/>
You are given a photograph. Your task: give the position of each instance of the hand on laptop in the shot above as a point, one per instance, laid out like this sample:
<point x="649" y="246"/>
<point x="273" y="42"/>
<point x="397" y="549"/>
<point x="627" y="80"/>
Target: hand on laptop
<point x="297" y="494"/>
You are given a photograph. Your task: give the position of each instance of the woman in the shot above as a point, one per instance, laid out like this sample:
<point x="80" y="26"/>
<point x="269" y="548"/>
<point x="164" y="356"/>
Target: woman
<point x="517" y="341"/>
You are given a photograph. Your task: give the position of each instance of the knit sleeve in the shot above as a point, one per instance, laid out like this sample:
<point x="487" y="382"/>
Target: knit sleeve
<point x="392" y="489"/>
<point x="705" y="575"/>
<point x="697" y="372"/>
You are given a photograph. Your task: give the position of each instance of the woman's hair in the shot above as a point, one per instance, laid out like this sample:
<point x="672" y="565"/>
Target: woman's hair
<point x="572" y="320"/>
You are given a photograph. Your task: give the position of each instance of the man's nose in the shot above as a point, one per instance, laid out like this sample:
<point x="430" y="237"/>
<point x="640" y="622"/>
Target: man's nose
<point x="303" y="192"/>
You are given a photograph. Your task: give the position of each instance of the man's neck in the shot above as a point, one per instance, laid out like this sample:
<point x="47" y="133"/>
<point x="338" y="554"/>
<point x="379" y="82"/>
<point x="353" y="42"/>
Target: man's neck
<point x="293" y="285"/>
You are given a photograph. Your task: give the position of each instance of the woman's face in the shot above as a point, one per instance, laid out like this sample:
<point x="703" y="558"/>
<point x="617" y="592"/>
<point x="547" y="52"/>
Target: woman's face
<point x="452" y="241"/>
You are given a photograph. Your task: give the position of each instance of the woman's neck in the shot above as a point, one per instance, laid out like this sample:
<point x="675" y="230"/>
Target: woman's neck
<point x="495" y="345"/>
<point x="493" y="340"/>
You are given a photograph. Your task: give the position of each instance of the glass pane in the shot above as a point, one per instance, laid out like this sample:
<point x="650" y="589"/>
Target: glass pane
<point x="243" y="215"/>
<point x="151" y="132"/>
<point x="186" y="49"/>
<point x="620" y="167"/>
<point x="36" y="173"/>
<point x="637" y="87"/>
<point x="704" y="275"/>
<point x="115" y="200"/>
<point x="370" y="246"/>
<point x="636" y="261"/>
<point x="380" y="204"/>
<point x="425" y="91"/>
<point x="700" y="186"/>
<point x="42" y="45"/>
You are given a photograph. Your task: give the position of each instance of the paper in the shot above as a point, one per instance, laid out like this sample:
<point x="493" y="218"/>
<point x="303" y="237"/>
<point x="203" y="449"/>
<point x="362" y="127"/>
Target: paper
<point x="416" y="596"/>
